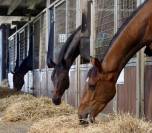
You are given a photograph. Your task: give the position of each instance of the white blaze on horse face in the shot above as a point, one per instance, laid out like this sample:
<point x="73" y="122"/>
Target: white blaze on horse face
<point x="87" y="80"/>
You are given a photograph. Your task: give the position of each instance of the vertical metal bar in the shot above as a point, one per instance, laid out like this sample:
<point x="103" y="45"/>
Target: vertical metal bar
<point x="66" y="31"/>
<point x="1" y="42"/>
<point x="28" y="46"/>
<point x="46" y="43"/>
<point x="140" y="80"/>
<point x="40" y="47"/>
<point x="54" y="30"/>
<point x="93" y="29"/>
<point x="116" y="20"/>
<point x="78" y="22"/>
<point x="40" y="55"/>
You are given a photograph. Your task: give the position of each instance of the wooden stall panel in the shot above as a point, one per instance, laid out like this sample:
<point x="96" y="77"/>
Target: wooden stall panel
<point x="43" y="90"/>
<point x="49" y="83"/>
<point x="126" y="100"/>
<point x="83" y="77"/>
<point x="36" y="82"/>
<point x="25" y="87"/>
<point x="72" y="92"/>
<point x="148" y="92"/>
<point x="30" y="82"/>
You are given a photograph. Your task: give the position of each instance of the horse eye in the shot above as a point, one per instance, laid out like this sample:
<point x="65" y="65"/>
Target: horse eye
<point x="92" y="87"/>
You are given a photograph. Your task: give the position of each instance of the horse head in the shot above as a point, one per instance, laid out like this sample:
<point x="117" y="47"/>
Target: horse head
<point x="60" y="79"/>
<point x="98" y="91"/>
<point x="18" y="81"/>
<point x="19" y="73"/>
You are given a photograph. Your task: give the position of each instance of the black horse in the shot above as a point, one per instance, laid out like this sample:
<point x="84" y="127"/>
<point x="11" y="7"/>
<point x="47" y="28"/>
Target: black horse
<point x="27" y="65"/>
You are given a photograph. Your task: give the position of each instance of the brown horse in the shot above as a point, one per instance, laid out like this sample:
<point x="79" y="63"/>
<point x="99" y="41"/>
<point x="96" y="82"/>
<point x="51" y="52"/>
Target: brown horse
<point x="100" y="86"/>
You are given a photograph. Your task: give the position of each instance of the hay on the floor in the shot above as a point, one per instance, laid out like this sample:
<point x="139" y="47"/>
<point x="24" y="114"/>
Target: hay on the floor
<point x="6" y="92"/>
<point x="115" y="124"/>
<point x="35" y="109"/>
<point x="8" y="101"/>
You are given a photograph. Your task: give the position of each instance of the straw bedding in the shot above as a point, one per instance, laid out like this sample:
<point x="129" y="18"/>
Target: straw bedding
<point x="8" y="101"/>
<point x="114" y="124"/>
<point x="6" y="92"/>
<point x="63" y="118"/>
<point x="35" y="109"/>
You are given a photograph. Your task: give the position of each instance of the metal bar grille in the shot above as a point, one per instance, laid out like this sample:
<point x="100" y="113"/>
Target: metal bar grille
<point x="104" y="14"/>
<point x="36" y="44"/>
<point x="12" y="52"/>
<point x="71" y="16"/>
<point x="43" y="40"/>
<point x="22" y="45"/>
<point x="105" y="24"/>
<point x="126" y="7"/>
<point x="60" y="28"/>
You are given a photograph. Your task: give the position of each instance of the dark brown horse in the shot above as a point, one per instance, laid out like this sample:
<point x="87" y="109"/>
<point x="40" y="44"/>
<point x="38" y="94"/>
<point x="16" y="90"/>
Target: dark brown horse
<point x="76" y="44"/>
<point x="68" y="53"/>
<point x="100" y="86"/>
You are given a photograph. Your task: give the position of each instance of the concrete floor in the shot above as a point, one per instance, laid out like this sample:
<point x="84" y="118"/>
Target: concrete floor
<point x="14" y="127"/>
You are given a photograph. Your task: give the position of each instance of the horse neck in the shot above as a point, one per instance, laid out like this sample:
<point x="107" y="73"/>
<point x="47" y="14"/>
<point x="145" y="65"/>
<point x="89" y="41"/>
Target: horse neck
<point x="73" y="51"/>
<point x="131" y="39"/>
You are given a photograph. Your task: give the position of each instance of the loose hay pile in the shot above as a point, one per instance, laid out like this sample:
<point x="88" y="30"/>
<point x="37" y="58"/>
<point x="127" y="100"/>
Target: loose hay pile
<point x="113" y="124"/>
<point x="5" y="102"/>
<point x="6" y="92"/>
<point x="35" y="109"/>
<point x="8" y="101"/>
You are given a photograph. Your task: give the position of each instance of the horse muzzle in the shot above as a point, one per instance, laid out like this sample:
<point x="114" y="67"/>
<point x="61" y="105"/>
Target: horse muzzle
<point x="56" y="100"/>
<point x="86" y="119"/>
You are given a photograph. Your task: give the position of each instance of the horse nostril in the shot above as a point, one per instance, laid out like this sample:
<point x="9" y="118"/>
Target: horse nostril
<point x="56" y="100"/>
<point x="83" y="119"/>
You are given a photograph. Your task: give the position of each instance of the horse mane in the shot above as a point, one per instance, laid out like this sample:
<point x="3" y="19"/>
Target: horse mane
<point x="66" y="45"/>
<point x="124" y="24"/>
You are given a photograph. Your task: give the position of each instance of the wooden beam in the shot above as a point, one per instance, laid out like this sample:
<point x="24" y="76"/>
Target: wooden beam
<point x="13" y="6"/>
<point x="33" y="3"/>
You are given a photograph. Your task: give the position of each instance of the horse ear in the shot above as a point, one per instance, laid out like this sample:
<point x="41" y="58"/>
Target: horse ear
<point x="51" y="64"/>
<point x="12" y="72"/>
<point x="84" y="23"/>
<point x="95" y="62"/>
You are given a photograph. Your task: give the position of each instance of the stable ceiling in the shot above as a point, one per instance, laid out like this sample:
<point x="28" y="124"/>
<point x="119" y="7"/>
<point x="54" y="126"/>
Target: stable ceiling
<point x="21" y="7"/>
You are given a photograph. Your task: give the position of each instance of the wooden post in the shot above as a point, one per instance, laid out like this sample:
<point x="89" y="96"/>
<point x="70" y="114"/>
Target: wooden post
<point x="13" y="6"/>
